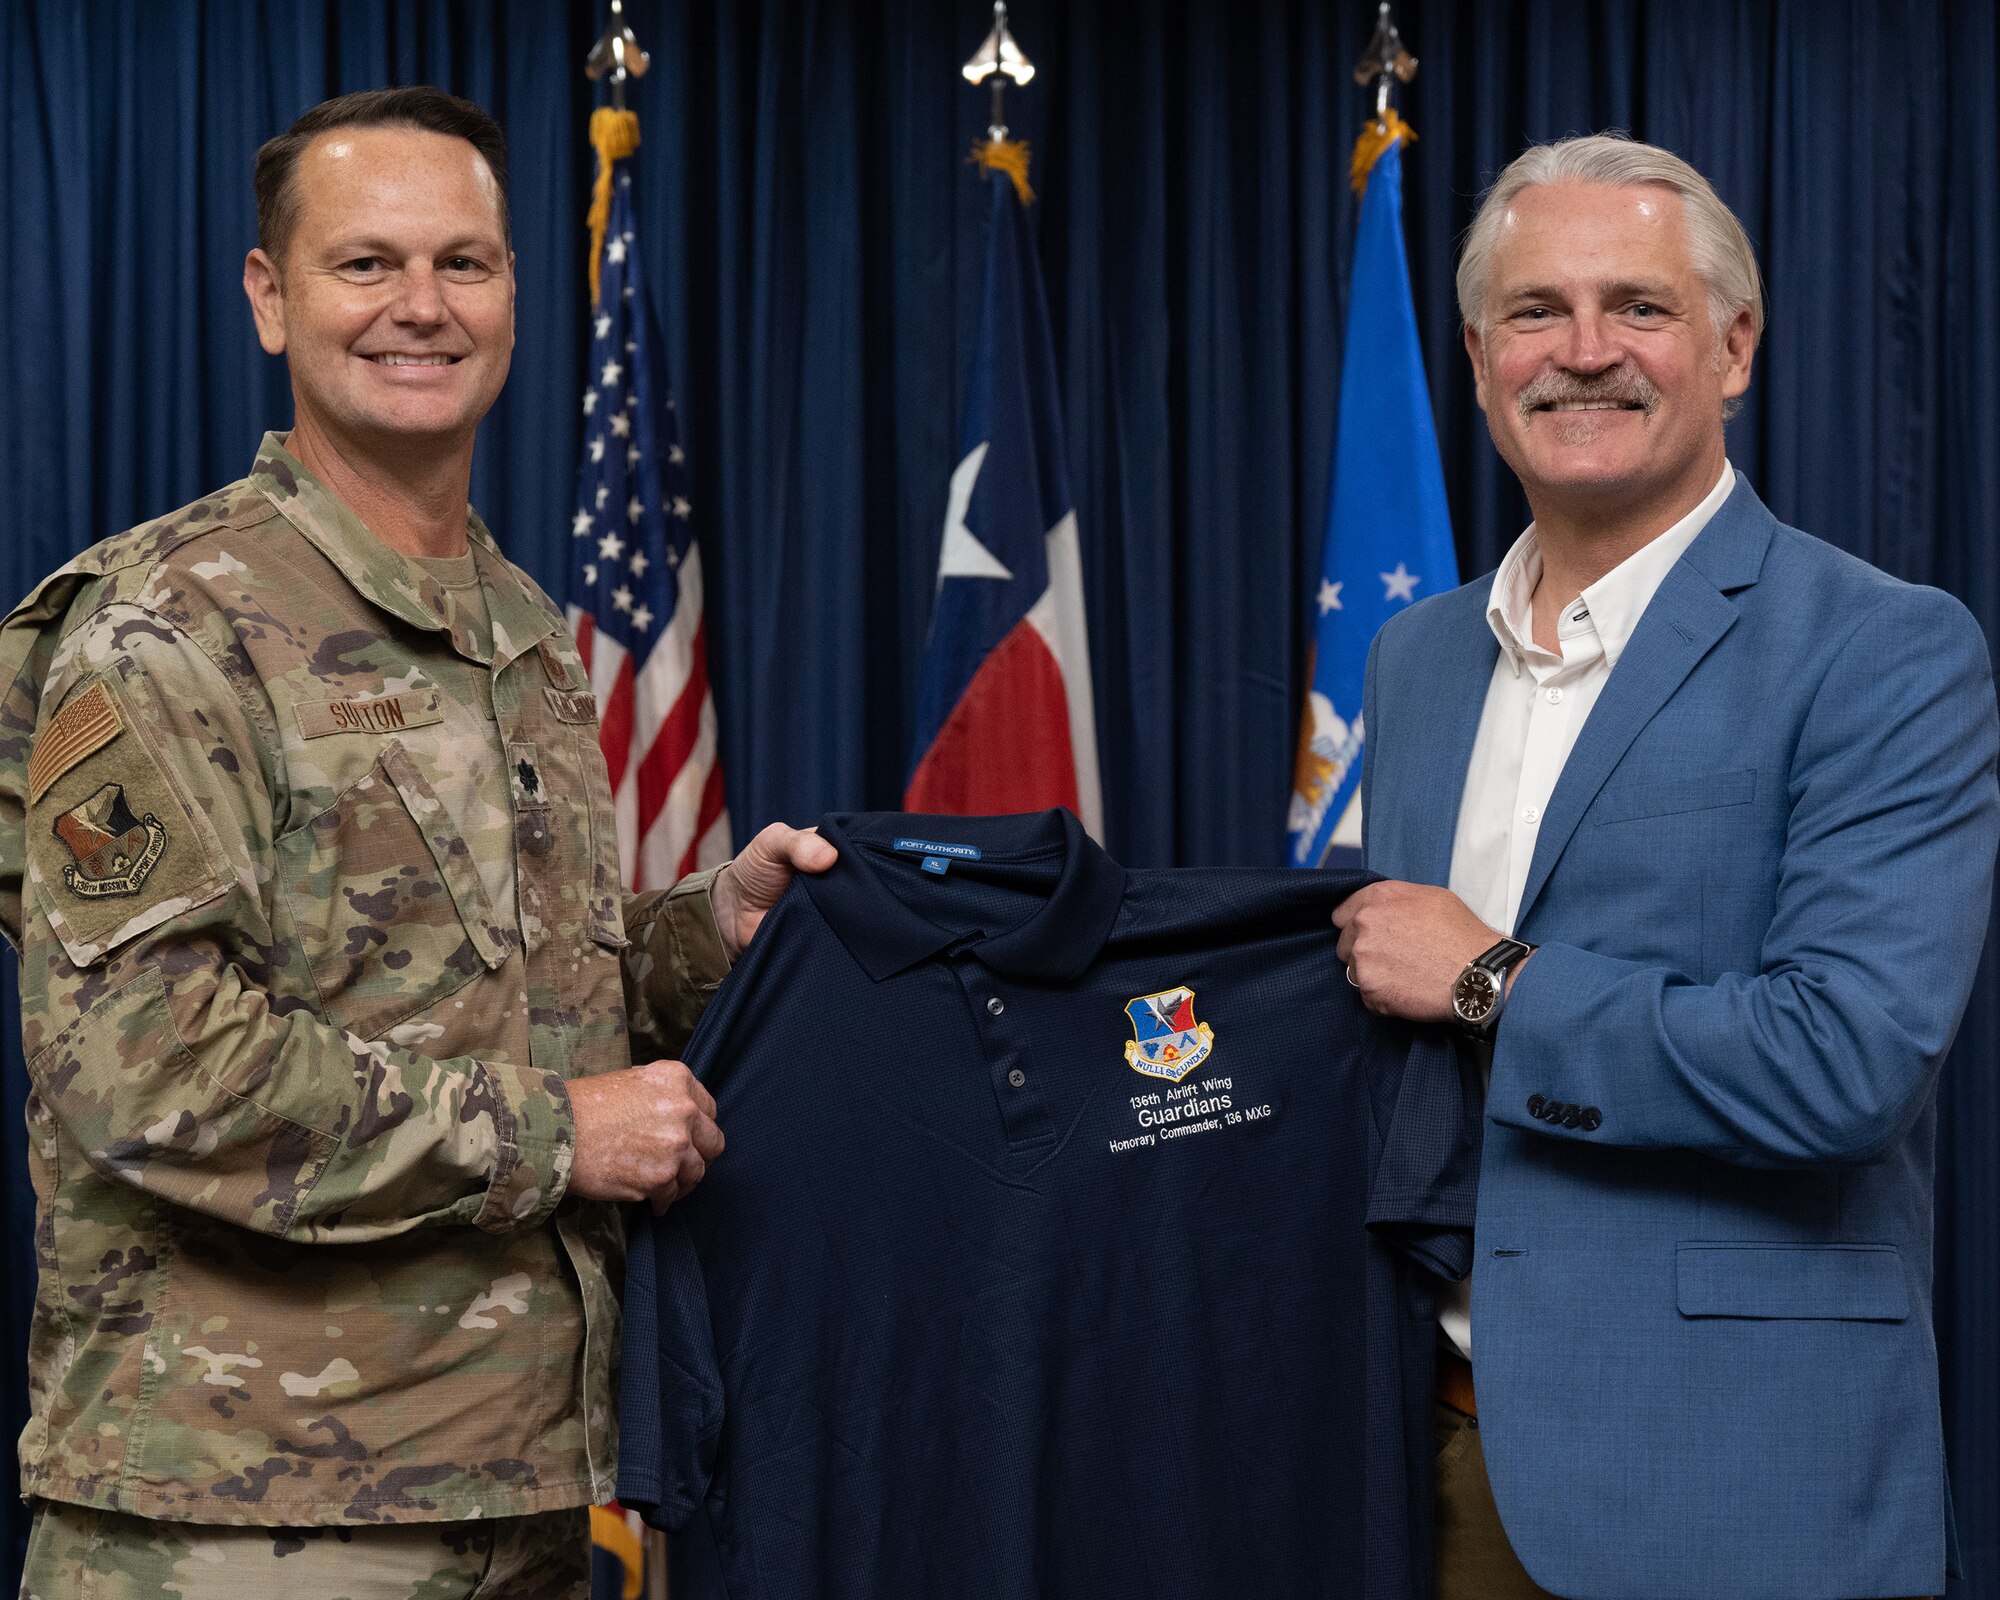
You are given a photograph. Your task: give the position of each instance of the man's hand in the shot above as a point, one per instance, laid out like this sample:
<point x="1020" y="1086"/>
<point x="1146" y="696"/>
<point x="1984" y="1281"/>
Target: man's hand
<point x="750" y="885"/>
<point x="647" y="1133"/>
<point x="1404" y="945"/>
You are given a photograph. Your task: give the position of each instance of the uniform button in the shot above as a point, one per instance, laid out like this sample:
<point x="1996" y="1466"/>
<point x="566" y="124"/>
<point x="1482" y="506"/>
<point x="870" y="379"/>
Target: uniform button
<point x="1592" y="1119"/>
<point x="1535" y="1104"/>
<point x="1017" y="1077"/>
<point x="1555" y="697"/>
<point x="1531" y="813"/>
<point x="1572" y="1117"/>
<point x="995" y="1006"/>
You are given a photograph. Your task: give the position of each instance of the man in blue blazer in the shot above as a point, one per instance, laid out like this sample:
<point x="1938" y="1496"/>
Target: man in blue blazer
<point x="1690" y="820"/>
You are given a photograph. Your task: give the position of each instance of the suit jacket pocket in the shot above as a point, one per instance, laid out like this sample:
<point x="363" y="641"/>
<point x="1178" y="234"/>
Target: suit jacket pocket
<point x="1803" y="1282"/>
<point x="1704" y="792"/>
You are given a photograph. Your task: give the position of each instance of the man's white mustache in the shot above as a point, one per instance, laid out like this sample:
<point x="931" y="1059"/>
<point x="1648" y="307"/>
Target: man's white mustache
<point x="1626" y="388"/>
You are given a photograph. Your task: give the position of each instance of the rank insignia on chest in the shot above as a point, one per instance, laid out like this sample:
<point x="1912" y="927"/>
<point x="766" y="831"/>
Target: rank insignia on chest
<point x="115" y="852"/>
<point x="1167" y="1042"/>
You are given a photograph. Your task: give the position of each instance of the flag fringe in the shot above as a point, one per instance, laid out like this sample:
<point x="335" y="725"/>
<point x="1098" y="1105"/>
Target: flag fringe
<point x="1009" y="156"/>
<point x="614" y="135"/>
<point x="1376" y="138"/>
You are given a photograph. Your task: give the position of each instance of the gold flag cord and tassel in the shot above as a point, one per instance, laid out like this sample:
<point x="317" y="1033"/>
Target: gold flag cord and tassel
<point x="614" y="135"/>
<point x="1009" y="156"/>
<point x="1377" y="136"/>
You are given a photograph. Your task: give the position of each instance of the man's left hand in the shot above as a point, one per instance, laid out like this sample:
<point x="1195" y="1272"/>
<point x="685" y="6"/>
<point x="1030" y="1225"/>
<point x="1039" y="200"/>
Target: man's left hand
<point x="750" y="885"/>
<point x="1404" y="945"/>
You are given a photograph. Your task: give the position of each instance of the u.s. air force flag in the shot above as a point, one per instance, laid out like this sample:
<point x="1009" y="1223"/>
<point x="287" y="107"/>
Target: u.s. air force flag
<point x="1005" y="720"/>
<point x="1388" y="534"/>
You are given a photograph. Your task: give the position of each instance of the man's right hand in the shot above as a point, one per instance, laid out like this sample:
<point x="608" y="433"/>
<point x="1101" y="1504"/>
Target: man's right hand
<point x="647" y="1133"/>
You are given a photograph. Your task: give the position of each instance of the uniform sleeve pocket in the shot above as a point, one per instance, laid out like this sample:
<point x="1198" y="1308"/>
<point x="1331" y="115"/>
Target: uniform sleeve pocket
<point x="1825" y="1282"/>
<point x="389" y="905"/>
<point x="1707" y="791"/>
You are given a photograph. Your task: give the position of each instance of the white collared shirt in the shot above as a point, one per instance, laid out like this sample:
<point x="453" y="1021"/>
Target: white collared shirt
<point x="1536" y="705"/>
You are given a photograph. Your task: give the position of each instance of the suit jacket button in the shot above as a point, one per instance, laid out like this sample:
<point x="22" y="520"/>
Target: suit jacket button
<point x="1593" y="1119"/>
<point x="1535" y="1104"/>
<point x="1572" y="1117"/>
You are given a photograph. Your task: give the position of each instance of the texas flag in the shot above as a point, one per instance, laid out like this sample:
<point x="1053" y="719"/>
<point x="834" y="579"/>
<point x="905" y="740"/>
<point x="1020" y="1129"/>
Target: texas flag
<point x="1004" y="714"/>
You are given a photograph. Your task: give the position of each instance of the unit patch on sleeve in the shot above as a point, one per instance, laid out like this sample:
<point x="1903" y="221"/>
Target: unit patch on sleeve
<point x="84" y="726"/>
<point x="114" y="852"/>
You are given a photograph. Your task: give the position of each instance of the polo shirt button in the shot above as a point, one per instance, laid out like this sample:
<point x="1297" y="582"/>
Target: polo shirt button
<point x="1017" y="1077"/>
<point x="995" y="1006"/>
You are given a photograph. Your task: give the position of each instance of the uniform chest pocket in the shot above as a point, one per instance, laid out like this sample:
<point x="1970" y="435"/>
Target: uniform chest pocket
<point x="390" y="910"/>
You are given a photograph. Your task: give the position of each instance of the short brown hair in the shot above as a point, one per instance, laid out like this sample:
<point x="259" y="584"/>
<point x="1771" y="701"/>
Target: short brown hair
<point x="418" y="106"/>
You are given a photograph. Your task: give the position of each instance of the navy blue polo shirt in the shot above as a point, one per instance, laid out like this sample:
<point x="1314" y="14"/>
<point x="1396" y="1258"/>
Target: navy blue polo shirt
<point x="1037" y="1263"/>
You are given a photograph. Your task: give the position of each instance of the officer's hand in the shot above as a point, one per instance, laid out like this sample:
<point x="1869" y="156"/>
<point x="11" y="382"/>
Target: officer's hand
<point x="750" y="885"/>
<point x="647" y="1133"/>
<point x="1404" y="945"/>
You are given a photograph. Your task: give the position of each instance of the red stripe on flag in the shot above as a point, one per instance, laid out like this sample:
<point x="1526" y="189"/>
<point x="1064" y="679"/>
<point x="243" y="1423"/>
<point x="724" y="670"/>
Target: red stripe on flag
<point x="614" y="725"/>
<point x="674" y="743"/>
<point x="711" y="808"/>
<point x="1005" y="747"/>
<point x="586" y="638"/>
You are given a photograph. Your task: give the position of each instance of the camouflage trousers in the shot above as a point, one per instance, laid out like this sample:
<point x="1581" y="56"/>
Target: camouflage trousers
<point x="81" y="1553"/>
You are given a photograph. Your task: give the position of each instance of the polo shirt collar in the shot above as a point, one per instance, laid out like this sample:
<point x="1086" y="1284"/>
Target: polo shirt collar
<point x="886" y="936"/>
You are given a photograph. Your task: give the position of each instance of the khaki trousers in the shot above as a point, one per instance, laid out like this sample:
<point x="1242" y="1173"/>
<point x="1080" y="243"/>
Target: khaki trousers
<point x="81" y="1553"/>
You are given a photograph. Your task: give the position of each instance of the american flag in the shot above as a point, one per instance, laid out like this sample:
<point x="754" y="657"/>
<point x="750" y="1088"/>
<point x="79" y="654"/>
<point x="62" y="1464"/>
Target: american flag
<point x="635" y="585"/>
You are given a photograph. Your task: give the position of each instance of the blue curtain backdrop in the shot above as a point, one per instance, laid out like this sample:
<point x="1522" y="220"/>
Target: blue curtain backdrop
<point x="816" y="242"/>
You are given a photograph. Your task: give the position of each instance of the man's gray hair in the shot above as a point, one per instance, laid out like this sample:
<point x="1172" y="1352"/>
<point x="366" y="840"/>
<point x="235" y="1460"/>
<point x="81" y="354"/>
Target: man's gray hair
<point x="1716" y="240"/>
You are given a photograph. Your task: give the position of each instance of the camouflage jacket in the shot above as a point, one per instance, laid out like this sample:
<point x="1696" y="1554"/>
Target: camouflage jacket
<point x="314" y="877"/>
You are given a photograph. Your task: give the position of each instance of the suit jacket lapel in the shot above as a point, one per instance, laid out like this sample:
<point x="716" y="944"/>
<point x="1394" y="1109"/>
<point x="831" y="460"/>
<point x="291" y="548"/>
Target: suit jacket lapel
<point x="1688" y="614"/>
<point x="1464" y="668"/>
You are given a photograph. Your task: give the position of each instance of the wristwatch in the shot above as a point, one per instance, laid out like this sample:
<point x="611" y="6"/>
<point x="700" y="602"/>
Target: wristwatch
<point x="1481" y="989"/>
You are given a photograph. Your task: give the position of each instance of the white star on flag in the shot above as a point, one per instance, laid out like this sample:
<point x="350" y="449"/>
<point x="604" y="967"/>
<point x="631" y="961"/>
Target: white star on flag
<point x="621" y="597"/>
<point x="1400" y="584"/>
<point x="604" y="325"/>
<point x="631" y="347"/>
<point x="632" y="457"/>
<point x="610" y="375"/>
<point x="590" y="573"/>
<point x="681" y="507"/>
<point x="579" y="525"/>
<point x="635" y="508"/>
<point x="589" y="401"/>
<point x="638" y="563"/>
<point x="1329" y="596"/>
<point x="621" y="424"/>
<point x="642" y="617"/>
<point x="597" y="448"/>
<point x="603" y="494"/>
<point x="674" y="454"/>
<point x="611" y="547"/>
<point x="615" y="250"/>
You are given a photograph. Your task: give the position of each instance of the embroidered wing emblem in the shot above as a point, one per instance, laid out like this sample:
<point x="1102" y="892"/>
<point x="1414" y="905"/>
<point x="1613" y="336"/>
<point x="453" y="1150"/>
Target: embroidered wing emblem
<point x="113" y="852"/>
<point x="1167" y="1042"/>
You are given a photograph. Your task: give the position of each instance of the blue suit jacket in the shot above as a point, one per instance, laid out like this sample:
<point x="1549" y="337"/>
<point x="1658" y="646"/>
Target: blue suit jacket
<point x="1702" y="1327"/>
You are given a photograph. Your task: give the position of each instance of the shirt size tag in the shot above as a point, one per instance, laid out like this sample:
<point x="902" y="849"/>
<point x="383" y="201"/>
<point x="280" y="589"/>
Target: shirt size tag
<point x="937" y="857"/>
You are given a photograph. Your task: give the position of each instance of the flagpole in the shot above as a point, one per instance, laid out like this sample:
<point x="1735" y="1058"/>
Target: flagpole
<point x="1388" y="529"/>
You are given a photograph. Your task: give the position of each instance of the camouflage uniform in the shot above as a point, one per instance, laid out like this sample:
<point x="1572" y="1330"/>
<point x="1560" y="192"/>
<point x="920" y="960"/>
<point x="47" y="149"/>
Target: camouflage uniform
<point x="82" y="1553"/>
<point x="319" y="908"/>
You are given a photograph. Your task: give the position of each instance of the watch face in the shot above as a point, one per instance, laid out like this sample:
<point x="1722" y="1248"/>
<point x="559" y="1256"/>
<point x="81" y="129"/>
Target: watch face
<point x="1473" y="995"/>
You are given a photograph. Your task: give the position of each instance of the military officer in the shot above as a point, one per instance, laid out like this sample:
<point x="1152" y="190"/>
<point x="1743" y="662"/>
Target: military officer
<point x="330" y="992"/>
